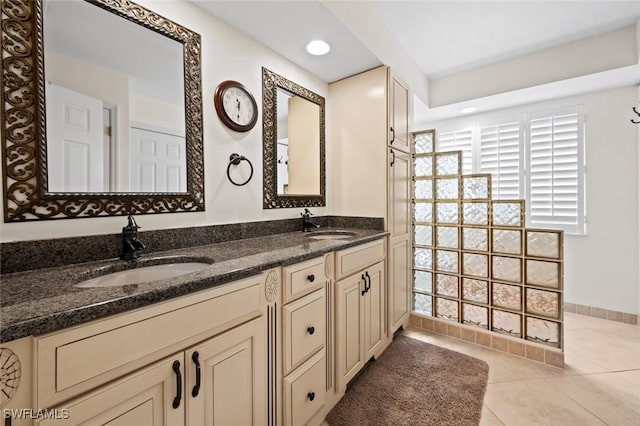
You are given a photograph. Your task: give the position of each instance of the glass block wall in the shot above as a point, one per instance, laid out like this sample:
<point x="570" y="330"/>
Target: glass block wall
<point x="474" y="262"/>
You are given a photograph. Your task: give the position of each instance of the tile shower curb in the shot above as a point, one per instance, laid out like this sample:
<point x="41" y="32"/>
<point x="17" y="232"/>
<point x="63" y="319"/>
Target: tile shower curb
<point x="607" y="314"/>
<point x="505" y="344"/>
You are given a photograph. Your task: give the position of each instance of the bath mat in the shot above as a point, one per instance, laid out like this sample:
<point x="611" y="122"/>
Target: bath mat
<point x="415" y="383"/>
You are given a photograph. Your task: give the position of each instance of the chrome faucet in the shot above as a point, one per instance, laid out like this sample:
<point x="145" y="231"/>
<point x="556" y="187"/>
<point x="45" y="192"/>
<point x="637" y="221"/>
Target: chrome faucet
<point x="307" y="223"/>
<point x="131" y="245"/>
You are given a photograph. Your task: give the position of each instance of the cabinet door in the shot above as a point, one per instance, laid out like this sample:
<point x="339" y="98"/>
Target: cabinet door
<point x="145" y="398"/>
<point x="233" y="381"/>
<point x="399" y="197"/>
<point x="399" y="129"/>
<point x="374" y="311"/>
<point x="399" y="226"/>
<point x="350" y="355"/>
<point x="399" y="283"/>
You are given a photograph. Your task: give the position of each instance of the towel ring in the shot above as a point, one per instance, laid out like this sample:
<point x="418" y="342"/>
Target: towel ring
<point x="235" y="159"/>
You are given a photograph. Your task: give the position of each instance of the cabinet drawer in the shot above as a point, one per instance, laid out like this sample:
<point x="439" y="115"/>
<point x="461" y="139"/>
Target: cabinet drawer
<point x="303" y="278"/>
<point x="304" y="329"/>
<point x="304" y="391"/>
<point x="355" y="259"/>
<point x="78" y="359"/>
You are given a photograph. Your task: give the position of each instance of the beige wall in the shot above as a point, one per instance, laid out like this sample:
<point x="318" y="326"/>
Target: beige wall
<point x="227" y="54"/>
<point x="155" y="112"/>
<point x="588" y="56"/>
<point x="601" y="268"/>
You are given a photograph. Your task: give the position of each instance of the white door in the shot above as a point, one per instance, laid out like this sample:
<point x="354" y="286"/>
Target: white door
<point x="75" y="144"/>
<point x="158" y="161"/>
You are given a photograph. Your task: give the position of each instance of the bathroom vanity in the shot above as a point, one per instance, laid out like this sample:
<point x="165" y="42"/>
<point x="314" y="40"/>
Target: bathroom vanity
<point x="269" y="333"/>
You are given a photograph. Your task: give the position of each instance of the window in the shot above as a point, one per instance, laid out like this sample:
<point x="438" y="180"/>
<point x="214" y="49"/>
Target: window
<point x="538" y="157"/>
<point x="500" y="155"/>
<point x="556" y="170"/>
<point x="461" y="140"/>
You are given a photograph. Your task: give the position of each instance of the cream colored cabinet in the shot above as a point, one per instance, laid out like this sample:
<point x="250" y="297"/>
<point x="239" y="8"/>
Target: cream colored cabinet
<point x="360" y="320"/>
<point x="305" y="337"/>
<point x="196" y="360"/>
<point x="399" y="114"/>
<point x="350" y="356"/>
<point x="153" y="396"/>
<point x="226" y="379"/>
<point x="374" y="310"/>
<point x="219" y="382"/>
<point x="399" y="226"/>
<point x="378" y="136"/>
<point x="360" y="309"/>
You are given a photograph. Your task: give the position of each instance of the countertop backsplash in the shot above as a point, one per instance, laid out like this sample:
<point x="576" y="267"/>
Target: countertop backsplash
<point x="37" y="254"/>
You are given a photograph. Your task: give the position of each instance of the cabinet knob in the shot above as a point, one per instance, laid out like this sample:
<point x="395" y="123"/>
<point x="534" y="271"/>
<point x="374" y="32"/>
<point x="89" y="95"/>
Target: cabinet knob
<point x="311" y="278"/>
<point x="311" y="330"/>
<point x="311" y="396"/>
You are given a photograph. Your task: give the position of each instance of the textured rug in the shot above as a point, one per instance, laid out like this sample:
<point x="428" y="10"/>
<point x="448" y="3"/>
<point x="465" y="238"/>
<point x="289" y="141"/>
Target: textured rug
<point x="415" y="383"/>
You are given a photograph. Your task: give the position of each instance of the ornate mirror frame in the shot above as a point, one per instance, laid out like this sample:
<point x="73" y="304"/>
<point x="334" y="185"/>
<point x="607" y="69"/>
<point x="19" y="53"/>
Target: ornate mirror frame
<point x="24" y="149"/>
<point x="271" y="199"/>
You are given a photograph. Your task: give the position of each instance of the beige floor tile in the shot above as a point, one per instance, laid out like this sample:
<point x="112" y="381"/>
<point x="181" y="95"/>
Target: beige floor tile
<point x="599" y="385"/>
<point x="535" y="402"/>
<point x="612" y="397"/>
<point x="603" y="348"/>
<point x="488" y="418"/>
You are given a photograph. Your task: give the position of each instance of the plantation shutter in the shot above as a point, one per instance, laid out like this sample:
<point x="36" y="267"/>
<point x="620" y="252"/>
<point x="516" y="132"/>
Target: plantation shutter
<point x="461" y="140"/>
<point x="556" y="170"/>
<point x="500" y="154"/>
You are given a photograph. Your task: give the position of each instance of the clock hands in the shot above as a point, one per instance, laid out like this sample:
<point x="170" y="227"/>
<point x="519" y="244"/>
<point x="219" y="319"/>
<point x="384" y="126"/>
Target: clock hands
<point x="238" y="103"/>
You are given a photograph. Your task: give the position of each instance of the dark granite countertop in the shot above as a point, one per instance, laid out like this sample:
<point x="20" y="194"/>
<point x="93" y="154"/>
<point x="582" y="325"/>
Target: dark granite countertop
<point x="44" y="300"/>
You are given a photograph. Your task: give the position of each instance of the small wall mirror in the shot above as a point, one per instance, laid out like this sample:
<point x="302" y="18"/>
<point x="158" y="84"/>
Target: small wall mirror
<point x="293" y="143"/>
<point x="102" y="111"/>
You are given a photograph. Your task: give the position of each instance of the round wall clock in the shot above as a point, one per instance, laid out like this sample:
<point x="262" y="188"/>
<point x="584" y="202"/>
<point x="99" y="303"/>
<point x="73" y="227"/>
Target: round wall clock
<point x="235" y="106"/>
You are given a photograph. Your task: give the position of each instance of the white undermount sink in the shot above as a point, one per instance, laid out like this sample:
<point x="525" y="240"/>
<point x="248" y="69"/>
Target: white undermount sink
<point x="143" y="275"/>
<point x="330" y="234"/>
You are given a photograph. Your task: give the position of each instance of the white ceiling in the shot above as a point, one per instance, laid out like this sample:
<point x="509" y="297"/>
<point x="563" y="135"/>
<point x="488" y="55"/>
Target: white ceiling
<point x="452" y="36"/>
<point x="287" y="26"/>
<point x="442" y="37"/>
<point x="439" y="37"/>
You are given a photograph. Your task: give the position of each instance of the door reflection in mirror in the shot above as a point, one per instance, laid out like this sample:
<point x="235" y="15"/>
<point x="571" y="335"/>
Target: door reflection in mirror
<point x="114" y="96"/>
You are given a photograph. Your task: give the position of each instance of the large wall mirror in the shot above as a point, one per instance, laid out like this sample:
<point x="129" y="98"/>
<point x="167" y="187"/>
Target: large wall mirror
<point x="102" y="111"/>
<point x="293" y="144"/>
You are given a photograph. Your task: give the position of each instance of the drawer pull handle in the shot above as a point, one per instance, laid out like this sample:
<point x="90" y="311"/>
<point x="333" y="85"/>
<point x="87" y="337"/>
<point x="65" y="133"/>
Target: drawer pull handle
<point x="364" y="291"/>
<point x="196" y="360"/>
<point x="176" y="369"/>
<point x="311" y="278"/>
<point x="369" y="279"/>
<point x="311" y="396"/>
<point x="311" y="330"/>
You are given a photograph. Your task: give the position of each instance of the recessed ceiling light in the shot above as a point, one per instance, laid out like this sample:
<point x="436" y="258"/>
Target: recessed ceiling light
<point x="318" y="47"/>
<point x="468" y="110"/>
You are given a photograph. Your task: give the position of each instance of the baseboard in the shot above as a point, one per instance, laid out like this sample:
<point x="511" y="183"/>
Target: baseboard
<point x="607" y="314"/>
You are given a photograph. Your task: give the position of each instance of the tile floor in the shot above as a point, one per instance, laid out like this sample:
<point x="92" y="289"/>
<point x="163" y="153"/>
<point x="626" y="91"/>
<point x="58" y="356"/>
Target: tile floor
<point x="600" y="384"/>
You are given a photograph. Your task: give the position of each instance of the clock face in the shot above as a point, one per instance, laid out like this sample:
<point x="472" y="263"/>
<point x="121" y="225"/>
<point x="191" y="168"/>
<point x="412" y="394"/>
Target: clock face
<point x="238" y="106"/>
<point x="235" y="106"/>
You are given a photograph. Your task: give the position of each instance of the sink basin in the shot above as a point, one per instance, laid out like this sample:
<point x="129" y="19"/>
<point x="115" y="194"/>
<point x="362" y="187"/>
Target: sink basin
<point x="143" y="275"/>
<point x="331" y="235"/>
